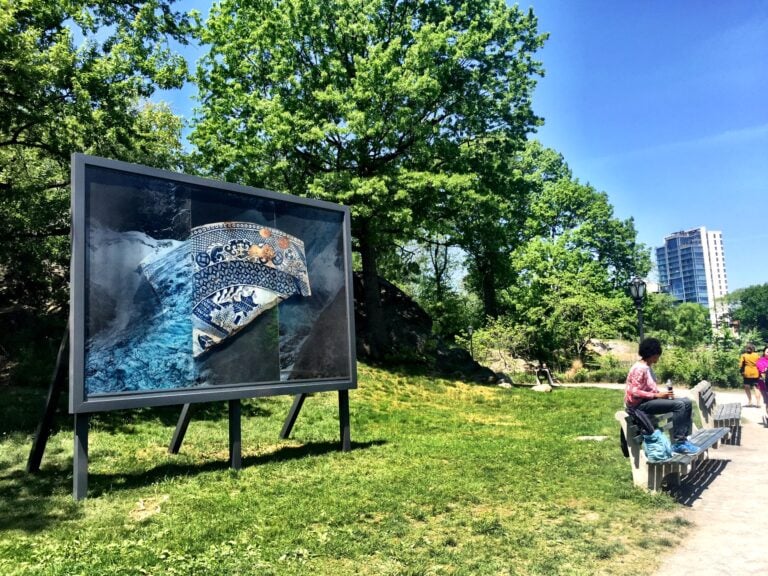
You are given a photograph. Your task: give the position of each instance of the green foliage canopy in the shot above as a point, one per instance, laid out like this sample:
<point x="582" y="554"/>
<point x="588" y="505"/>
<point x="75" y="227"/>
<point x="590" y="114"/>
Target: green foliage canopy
<point x="683" y="324"/>
<point x="572" y="266"/>
<point x="371" y="103"/>
<point x="750" y="307"/>
<point x="692" y="325"/>
<point x="72" y="78"/>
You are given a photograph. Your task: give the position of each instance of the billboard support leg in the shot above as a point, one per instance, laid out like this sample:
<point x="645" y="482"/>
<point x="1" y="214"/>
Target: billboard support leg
<point x="293" y="413"/>
<point x="235" y="435"/>
<point x="58" y="382"/>
<point x="80" y="462"/>
<point x="181" y="430"/>
<point x="346" y="443"/>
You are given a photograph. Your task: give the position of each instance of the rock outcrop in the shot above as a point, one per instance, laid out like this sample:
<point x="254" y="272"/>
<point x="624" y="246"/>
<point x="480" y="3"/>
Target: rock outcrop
<point x="410" y="338"/>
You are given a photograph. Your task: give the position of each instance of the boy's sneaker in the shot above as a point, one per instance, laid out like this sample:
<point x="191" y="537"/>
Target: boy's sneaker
<point x="685" y="447"/>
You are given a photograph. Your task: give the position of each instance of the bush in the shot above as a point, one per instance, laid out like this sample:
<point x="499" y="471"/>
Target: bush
<point x="523" y="378"/>
<point x="496" y="344"/>
<point x="601" y="368"/>
<point x="611" y="369"/>
<point x="617" y="375"/>
<point x="681" y="366"/>
<point x="581" y="375"/>
<point x="689" y="367"/>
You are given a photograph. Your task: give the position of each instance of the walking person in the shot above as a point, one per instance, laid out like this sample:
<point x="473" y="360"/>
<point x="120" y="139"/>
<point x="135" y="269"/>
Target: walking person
<point x="642" y="393"/>
<point x="762" y="368"/>
<point x="748" y="370"/>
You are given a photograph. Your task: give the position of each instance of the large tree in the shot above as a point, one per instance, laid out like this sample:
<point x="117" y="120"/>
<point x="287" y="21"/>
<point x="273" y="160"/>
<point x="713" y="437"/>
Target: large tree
<point x="495" y="219"/>
<point x="692" y="325"/>
<point x="73" y="76"/>
<point x="486" y="220"/>
<point x="750" y="307"/>
<point x="570" y="271"/>
<point x="683" y="324"/>
<point x="365" y="102"/>
<point x="659" y="316"/>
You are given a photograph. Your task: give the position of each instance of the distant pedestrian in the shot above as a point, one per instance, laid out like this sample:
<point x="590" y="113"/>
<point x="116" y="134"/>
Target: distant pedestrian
<point x="748" y="370"/>
<point x="762" y="368"/>
<point x="642" y="393"/>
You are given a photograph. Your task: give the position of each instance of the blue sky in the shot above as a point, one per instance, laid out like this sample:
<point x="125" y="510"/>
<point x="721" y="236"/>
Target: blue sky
<point x="663" y="105"/>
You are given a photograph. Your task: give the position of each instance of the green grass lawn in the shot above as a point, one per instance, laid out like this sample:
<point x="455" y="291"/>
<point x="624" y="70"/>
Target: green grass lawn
<point x="443" y="478"/>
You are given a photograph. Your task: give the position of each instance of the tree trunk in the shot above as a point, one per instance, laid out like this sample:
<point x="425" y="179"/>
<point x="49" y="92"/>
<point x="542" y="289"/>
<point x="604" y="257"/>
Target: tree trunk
<point x="375" y="327"/>
<point x="439" y="257"/>
<point x="487" y="278"/>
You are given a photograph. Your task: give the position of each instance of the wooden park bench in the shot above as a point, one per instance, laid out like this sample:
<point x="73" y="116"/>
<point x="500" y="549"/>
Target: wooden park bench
<point x="714" y="415"/>
<point x="654" y="476"/>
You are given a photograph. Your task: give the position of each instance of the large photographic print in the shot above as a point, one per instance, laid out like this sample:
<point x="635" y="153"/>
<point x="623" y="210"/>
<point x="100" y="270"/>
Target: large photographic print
<point x="187" y="289"/>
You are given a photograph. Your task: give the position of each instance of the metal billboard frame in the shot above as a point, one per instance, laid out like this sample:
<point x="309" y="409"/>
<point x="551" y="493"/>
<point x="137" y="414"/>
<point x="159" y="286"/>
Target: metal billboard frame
<point x="81" y="405"/>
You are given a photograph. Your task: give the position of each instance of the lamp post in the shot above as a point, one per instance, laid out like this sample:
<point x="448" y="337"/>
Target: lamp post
<point x="471" y="352"/>
<point x="637" y="291"/>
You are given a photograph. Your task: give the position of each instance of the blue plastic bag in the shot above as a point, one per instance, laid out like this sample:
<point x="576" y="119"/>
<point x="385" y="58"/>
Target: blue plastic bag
<point x="657" y="446"/>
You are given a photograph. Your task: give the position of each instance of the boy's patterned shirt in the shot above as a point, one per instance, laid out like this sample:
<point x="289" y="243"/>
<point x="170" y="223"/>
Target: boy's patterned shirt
<point x="641" y="384"/>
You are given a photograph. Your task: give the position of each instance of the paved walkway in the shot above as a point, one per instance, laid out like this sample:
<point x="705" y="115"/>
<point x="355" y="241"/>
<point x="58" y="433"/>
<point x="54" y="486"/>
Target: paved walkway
<point x="725" y="502"/>
<point x="730" y="522"/>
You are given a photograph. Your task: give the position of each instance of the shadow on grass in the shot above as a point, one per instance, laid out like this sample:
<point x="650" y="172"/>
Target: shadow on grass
<point x="22" y="409"/>
<point x="694" y="484"/>
<point x="27" y="502"/>
<point x="123" y="420"/>
<point x="100" y="484"/>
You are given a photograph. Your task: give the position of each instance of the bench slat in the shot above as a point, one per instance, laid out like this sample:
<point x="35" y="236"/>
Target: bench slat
<point x="709" y="437"/>
<point x="732" y="410"/>
<point x="716" y="415"/>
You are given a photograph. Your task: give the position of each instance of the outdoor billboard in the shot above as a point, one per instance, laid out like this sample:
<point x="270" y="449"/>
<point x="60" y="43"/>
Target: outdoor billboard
<point x="187" y="290"/>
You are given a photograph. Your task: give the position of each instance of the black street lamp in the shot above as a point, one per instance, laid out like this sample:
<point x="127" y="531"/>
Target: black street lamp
<point x="637" y="291"/>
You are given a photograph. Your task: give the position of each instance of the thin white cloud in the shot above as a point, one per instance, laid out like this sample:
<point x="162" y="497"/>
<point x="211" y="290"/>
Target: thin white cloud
<point x="729" y="138"/>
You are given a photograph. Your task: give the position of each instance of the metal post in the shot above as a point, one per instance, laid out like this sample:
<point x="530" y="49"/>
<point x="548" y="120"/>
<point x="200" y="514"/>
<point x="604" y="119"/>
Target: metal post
<point x="346" y="443"/>
<point x="180" y="431"/>
<point x="58" y="384"/>
<point x="637" y="288"/>
<point x="80" y="459"/>
<point x="235" y="435"/>
<point x="293" y="413"/>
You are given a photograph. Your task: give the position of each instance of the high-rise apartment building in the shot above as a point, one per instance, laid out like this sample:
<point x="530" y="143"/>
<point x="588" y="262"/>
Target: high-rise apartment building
<point x="691" y="268"/>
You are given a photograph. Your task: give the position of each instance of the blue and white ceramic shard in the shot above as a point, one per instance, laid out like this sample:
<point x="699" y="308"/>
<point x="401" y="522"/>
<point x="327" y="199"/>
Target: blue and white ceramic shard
<point x="241" y="269"/>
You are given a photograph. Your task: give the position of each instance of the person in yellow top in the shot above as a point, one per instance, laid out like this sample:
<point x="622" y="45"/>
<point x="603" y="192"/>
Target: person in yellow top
<point x="748" y="369"/>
